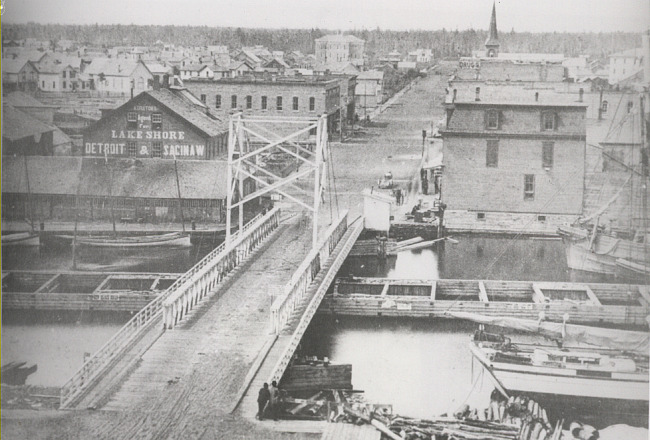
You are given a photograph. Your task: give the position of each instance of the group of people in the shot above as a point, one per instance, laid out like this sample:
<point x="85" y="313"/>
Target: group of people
<point x="268" y="400"/>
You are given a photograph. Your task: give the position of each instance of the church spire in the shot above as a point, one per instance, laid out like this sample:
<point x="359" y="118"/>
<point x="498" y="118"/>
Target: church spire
<point x="492" y="42"/>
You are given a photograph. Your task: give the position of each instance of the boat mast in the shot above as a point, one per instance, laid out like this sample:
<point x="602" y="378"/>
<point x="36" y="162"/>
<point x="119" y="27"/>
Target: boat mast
<point x="178" y="188"/>
<point x="644" y="184"/>
<point x="29" y="195"/>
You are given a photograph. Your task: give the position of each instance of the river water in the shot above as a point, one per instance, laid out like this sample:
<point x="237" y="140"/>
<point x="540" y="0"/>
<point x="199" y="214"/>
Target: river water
<point x="426" y="361"/>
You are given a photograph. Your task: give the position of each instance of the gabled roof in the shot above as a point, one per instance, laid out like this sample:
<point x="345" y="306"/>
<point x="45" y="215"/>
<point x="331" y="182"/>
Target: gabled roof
<point x="335" y="38"/>
<point x="249" y="54"/>
<point x="19" y="125"/>
<point x="20" y="99"/>
<point x="113" y="67"/>
<point x="10" y="66"/>
<point x="194" y="67"/>
<point x="276" y="63"/>
<point x="176" y="101"/>
<point x="157" y="68"/>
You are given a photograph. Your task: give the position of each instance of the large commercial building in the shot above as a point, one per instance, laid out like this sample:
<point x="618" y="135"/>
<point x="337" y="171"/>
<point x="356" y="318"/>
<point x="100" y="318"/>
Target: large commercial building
<point x="298" y="96"/>
<point x="164" y="123"/>
<point x="513" y="157"/>
<point x="337" y="48"/>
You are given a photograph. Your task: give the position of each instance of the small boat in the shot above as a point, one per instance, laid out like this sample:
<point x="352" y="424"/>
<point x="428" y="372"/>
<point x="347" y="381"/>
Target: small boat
<point x="21" y="239"/>
<point x="176" y="239"/>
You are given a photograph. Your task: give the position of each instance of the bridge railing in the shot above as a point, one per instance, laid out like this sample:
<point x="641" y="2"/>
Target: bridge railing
<point x="345" y="244"/>
<point x="207" y="273"/>
<point x="296" y="288"/>
<point x="95" y="365"/>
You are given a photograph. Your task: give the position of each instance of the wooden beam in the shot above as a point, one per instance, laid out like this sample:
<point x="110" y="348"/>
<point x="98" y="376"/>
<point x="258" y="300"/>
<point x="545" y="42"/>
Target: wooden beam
<point x="644" y="291"/>
<point x="433" y="290"/>
<point x="384" y="291"/>
<point x="538" y="295"/>
<point x="47" y="284"/>
<point x="592" y="296"/>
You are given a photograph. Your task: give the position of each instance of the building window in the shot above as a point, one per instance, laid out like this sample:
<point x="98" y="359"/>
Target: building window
<point x="203" y="98"/>
<point x="312" y="104"/>
<point x="217" y="101"/>
<point x="72" y="74"/>
<point x="131" y="149"/>
<point x="541" y="218"/>
<point x="264" y="104"/>
<point x="548" y="121"/>
<point x="64" y="84"/>
<point x="603" y="106"/>
<point x="156" y="149"/>
<point x="54" y="84"/>
<point x="547" y="154"/>
<point x="480" y="216"/>
<point x="630" y="106"/>
<point x="156" y="121"/>
<point x="529" y="186"/>
<point x="278" y="103"/>
<point x="233" y="101"/>
<point x="492" y="153"/>
<point x="295" y="103"/>
<point x="249" y="102"/>
<point x="42" y="84"/>
<point x="492" y="119"/>
<point x="131" y="120"/>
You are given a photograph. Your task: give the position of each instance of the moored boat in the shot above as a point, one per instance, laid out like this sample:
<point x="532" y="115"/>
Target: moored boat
<point x="175" y="239"/>
<point x="21" y="239"/>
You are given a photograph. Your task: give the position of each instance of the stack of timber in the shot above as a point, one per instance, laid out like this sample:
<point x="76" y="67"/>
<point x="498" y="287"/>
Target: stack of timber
<point x="322" y="405"/>
<point x="317" y="377"/>
<point x="594" y="303"/>
<point x="70" y="290"/>
<point x="517" y="418"/>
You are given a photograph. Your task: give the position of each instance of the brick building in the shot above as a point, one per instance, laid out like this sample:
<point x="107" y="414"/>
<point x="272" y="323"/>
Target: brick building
<point x="513" y="158"/>
<point x="272" y="96"/>
<point x="163" y="123"/>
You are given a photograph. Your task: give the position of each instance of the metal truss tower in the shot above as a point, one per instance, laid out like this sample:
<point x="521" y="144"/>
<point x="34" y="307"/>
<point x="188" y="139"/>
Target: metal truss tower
<point x="253" y="140"/>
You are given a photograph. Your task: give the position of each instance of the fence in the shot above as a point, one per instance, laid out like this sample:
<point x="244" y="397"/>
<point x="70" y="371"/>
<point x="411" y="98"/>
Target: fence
<point x="91" y="370"/>
<point x="207" y="273"/>
<point x="295" y="290"/>
<point x="328" y="275"/>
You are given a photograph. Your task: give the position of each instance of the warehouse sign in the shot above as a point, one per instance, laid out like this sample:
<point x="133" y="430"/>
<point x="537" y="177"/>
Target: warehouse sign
<point x="149" y="135"/>
<point x="144" y="150"/>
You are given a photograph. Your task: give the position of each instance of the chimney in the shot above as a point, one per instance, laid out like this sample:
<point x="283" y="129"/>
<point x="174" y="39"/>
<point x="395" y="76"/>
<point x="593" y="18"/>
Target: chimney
<point x="581" y="94"/>
<point x="536" y="96"/>
<point x="478" y="94"/>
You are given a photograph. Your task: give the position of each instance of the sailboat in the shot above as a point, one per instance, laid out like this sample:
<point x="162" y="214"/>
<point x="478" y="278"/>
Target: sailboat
<point x="171" y="239"/>
<point x="592" y="247"/>
<point x="596" y="368"/>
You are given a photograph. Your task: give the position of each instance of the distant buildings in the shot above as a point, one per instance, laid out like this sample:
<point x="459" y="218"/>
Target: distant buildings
<point x="118" y="76"/>
<point x="338" y="48"/>
<point x="512" y="157"/>
<point x="623" y="65"/>
<point x="369" y="93"/>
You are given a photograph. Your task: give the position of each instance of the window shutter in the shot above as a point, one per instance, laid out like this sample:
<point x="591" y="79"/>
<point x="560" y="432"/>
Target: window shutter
<point x="500" y="119"/>
<point x="485" y="118"/>
<point x="556" y="121"/>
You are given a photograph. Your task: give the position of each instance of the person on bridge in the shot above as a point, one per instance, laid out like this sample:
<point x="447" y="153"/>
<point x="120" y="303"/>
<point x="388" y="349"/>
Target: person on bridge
<point x="262" y="399"/>
<point x="275" y="400"/>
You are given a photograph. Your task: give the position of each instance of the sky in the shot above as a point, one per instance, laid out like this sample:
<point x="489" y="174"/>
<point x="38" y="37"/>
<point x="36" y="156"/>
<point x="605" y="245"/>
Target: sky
<point x="522" y="15"/>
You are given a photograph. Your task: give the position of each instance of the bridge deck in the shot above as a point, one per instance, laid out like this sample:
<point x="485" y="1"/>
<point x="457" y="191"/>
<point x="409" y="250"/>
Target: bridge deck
<point x="248" y="406"/>
<point x="195" y="370"/>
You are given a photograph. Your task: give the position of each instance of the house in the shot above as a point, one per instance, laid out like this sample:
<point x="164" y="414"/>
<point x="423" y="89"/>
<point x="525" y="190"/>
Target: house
<point x="161" y="73"/>
<point x="19" y="74"/>
<point x="56" y="76"/>
<point x="369" y="91"/>
<point x="120" y="77"/>
<point x="248" y="57"/>
<point x="514" y="159"/>
<point x="276" y="65"/>
<point x="240" y="68"/>
<point x="196" y="71"/>
<point x="342" y="68"/>
<point x="623" y="65"/>
<point x="166" y="124"/>
<point x="338" y="47"/>
<point x="424" y="56"/>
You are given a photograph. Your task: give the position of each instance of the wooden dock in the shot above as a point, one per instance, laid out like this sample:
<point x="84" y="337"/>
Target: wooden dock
<point x="74" y="290"/>
<point x="594" y="303"/>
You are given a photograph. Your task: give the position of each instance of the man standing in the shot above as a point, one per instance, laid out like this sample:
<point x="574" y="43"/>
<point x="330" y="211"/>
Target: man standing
<point x="273" y="403"/>
<point x="262" y="399"/>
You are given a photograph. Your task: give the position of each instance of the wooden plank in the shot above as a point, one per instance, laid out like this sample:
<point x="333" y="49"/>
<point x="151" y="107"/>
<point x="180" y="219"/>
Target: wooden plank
<point x="644" y="291"/>
<point x="482" y="294"/>
<point x="47" y="284"/>
<point x="384" y="291"/>
<point x="591" y="296"/>
<point x="433" y="290"/>
<point x="538" y="295"/>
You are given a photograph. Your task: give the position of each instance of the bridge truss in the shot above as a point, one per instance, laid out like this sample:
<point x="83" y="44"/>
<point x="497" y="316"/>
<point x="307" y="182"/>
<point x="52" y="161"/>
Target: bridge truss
<point x="254" y="142"/>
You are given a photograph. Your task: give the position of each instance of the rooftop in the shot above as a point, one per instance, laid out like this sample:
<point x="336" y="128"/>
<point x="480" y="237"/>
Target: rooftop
<point x="18" y="125"/>
<point x="20" y="99"/>
<point x="334" y="38"/>
<point x="146" y="178"/>
<point x="511" y="95"/>
<point x="247" y="79"/>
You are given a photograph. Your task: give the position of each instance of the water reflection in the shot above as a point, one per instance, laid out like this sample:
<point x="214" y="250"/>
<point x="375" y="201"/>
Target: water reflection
<point x="56" y="342"/>
<point x="476" y="257"/>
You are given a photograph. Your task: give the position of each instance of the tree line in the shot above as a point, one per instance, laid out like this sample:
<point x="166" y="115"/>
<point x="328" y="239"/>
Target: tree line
<point x="444" y="43"/>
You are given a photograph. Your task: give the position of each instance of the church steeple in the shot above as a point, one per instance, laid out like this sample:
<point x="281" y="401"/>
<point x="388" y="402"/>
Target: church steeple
<point x="492" y="42"/>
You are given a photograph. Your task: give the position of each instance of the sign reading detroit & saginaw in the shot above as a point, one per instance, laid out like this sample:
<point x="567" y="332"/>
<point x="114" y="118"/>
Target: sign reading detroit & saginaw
<point x="122" y="143"/>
